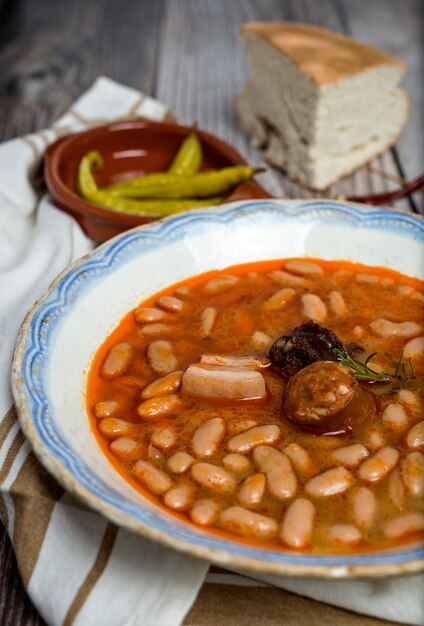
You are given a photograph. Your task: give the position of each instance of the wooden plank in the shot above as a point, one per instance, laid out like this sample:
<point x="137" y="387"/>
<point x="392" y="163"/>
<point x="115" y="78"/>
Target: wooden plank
<point x="397" y="27"/>
<point x="16" y="608"/>
<point x="60" y="48"/>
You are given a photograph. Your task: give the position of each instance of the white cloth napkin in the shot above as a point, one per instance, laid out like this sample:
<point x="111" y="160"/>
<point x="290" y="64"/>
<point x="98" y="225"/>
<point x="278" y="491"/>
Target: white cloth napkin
<point x="84" y="571"/>
<point x="78" y="568"/>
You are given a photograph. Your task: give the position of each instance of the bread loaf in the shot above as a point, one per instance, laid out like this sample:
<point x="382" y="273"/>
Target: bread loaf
<point x="323" y="104"/>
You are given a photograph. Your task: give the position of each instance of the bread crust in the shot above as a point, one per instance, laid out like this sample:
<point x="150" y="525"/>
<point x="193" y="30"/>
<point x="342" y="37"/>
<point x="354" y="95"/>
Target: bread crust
<point x="326" y="57"/>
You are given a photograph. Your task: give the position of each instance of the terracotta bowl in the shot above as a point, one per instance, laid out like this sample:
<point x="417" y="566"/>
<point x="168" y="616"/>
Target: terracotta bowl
<point x="130" y="149"/>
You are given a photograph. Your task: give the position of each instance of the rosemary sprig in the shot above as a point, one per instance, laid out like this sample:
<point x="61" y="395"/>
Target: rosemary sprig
<point x="362" y="371"/>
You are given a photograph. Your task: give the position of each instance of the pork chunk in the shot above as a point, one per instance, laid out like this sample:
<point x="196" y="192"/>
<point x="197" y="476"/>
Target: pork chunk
<point x="223" y="382"/>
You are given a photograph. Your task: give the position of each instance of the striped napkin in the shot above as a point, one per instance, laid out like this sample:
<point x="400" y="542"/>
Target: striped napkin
<point x="77" y="567"/>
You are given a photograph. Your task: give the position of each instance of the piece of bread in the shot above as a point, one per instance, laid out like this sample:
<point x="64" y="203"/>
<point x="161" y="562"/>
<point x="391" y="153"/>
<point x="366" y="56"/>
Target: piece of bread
<point x="325" y="103"/>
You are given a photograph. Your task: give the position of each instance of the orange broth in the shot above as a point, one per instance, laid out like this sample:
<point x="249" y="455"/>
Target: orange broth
<point x="241" y="313"/>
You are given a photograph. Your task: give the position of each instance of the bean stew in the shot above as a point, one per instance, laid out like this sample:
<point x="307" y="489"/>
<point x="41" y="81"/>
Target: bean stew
<point x="279" y="401"/>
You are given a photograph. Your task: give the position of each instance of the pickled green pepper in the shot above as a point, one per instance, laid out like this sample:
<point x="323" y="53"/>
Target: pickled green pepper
<point x="188" y="159"/>
<point x="202" y="185"/>
<point x="87" y="187"/>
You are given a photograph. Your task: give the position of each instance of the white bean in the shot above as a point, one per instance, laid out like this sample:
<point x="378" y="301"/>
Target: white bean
<point x="407" y="397"/>
<point x="337" y="303"/>
<point x="180" y="462"/>
<point x="118" y="360"/>
<point x="385" y="328"/>
<point x="148" y="315"/>
<point x="112" y="427"/>
<point x="208" y="436"/>
<point x="396" y="489"/>
<point x="404" y="525"/>
<point x="300" y="458"/>
<point x="170" y="304"/>
<point x="252" y="491"/>
<point x="395" y="417"/>
<point x="164" y="438"/>
<point x="298" y="524"/>
<point x="156" y="408"/>
<point x="180" y="497"/>
<point x="247" y="523"/>
<point x="413" y="473"/>
<point x="267" y="458"/>
<point x="345" y="534"/>
<point x="237" y="463"/>
<point x="343" y="274"/>
<point x="208" y="318"/>
<point x="386" y="281"/>
<point x="164" y="386"/>
<point x="219" y="284"/>
<point x="204" y="512"/>
<point x="260" y="340"/>
<point x="214" y="478"/>
<point x="154" y="329"/>
<point x="364" y="507"/>
<point x="303" y="267"/>
<point x="183" y="290"/>
<point x="368" y="278"/>
<point x="125" y="448"/>
<point x="161" y="357"/>
<point x="281" y="479"/>
<point x="284" y="278"/>
<point x="379" y="465"/>
<point x="350" y="456"/>
<point x="281" y="483"/>
<point x="153" y="478"/>
<point x="414" y="348"/>
<point x="106" y="408"/>
<point x="407" y="290"/>
<point x="279" y="299"/>
<point x="415" y="437"/>
<point x="155" y="455"/>
<point x="329" y="483"/>
<point x="249" y="439"/>
<point x="313" y="307"/>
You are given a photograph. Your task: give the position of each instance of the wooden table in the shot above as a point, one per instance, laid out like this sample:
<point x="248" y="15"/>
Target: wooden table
<point x="187" y="54"/>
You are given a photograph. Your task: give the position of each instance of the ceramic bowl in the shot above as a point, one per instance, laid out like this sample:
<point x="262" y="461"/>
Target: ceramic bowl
<point x="130" y="149"/>
<point x="89" y="299"/>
